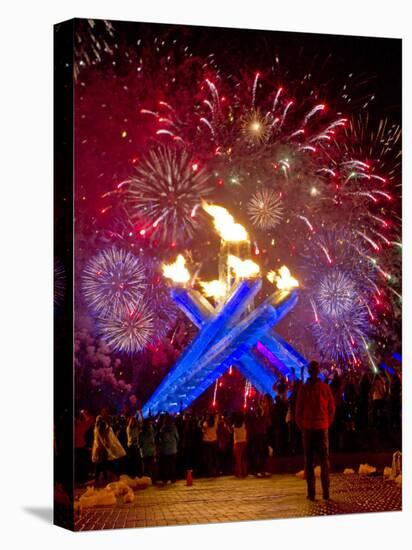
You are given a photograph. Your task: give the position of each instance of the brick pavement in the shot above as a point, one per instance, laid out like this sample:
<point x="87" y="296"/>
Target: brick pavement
<point x="228" y="499"/>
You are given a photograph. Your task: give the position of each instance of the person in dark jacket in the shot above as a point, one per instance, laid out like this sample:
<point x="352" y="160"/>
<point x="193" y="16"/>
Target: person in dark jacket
<point x="294" y="443"/>
<point x="280" y="429"/>
<point x="257" y="443"/>
<point x="168" y="441"/>
<point x="134" y="455"/>
<point x="336" y="430"/>
<point x="224" y="445"/>
<point x="315" y="409"/>
<point x="147" y="445"/>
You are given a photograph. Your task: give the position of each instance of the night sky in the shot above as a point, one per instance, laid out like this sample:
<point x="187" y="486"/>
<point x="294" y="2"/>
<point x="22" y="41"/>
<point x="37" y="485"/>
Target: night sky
<point x="143" y="64"/>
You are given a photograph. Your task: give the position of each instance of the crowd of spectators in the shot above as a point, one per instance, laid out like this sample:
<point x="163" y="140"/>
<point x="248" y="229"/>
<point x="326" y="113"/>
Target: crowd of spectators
<point x="165" y="447"/>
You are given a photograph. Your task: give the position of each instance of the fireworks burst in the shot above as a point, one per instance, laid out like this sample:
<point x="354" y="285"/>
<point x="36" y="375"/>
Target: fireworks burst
<point x="367" y="177"/>
<point x="342" y="340"/>
<point x="128" y="330"/>
<point x="247" y="131"/>
<point x="231" y="126"/>
<point x="250" y="132"/>
<point x="320" y="168"/>
<point x="265" y="209"/>
<point x="165" y="192"/>
<point x="113" y="279"/>
<point x="380" y="142"/>
<point x="336" y="294"/>
<point x="340" y="288"/>
<point x="93" y="39"/>
<point x="59" y="283"/>
<point x="256" y="128"/>
<point x="259" y="133"/>
<point x="157" y="297"/>
<point x="122" y="234"/>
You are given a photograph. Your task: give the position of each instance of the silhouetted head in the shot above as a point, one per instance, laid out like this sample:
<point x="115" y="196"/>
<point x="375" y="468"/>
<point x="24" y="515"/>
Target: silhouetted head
<point x="210" y="420"/>
<point x="313" y="369"/>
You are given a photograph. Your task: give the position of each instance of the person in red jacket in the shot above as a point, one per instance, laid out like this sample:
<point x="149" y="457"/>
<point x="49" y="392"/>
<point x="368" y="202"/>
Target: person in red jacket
<point x="315" y="409"/>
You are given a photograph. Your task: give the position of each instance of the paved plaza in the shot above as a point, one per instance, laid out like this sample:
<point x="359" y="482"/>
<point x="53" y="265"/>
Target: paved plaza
<point x="228" y="499"/>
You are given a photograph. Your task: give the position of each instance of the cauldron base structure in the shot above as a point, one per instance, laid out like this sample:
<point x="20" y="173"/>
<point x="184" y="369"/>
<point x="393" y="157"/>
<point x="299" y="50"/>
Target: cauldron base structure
<point x="232" y="334"/>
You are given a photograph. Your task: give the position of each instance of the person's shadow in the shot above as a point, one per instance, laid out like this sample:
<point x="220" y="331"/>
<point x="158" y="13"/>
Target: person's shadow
<point x="42" y="513"/>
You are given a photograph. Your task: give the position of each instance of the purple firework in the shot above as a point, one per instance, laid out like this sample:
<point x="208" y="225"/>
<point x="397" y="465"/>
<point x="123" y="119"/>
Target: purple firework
<point x="112" y="280"/>
<point x="339" y="284"/>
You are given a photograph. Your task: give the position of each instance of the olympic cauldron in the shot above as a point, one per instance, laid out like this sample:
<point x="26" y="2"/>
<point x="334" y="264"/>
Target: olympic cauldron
<point x="235" y="333"/>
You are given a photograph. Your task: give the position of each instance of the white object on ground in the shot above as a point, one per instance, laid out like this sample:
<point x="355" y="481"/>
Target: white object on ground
<point x="129" y="496"/>
<point x="118" y="488"/>
<point x="92" y="498"/>
<point x="366" y="469"/>
<point x="137" y="482"/>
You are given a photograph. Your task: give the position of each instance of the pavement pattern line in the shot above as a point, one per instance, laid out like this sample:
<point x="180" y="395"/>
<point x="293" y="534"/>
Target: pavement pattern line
<point x="228" y="499"/>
